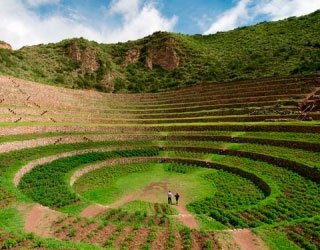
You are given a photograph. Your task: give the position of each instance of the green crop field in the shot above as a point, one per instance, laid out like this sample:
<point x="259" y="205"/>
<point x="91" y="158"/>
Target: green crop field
<point x="95" y="169"/>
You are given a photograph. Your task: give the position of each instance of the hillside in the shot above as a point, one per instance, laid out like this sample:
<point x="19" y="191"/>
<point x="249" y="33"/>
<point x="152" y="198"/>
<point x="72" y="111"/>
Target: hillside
<point x="165" y="60"/>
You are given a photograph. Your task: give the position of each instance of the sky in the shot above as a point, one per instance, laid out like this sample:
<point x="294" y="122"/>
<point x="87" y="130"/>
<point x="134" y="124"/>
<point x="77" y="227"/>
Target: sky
<point x="29" y="22"/>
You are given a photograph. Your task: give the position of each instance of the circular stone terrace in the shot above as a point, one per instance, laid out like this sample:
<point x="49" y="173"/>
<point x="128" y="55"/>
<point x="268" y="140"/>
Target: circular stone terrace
<point x="92" y="170"/>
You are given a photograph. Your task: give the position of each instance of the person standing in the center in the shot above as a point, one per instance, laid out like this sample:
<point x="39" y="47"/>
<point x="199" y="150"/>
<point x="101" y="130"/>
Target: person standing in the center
<point x="177" y="196"/>
<point x="170" y="196"/>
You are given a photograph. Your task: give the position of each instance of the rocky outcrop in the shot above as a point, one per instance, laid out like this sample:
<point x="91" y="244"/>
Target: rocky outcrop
<point x="4" y="45"/>
<point x="74" y="52"/>
<point x="87" y="57"/>
<point x="89" y="60"/>
<point x="132" y="56"/>
<point x="163" y="55"/>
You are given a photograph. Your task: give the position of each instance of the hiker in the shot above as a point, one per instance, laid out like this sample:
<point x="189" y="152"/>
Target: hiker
<point x="170" y="197"/>
<point x="177" y="196"/>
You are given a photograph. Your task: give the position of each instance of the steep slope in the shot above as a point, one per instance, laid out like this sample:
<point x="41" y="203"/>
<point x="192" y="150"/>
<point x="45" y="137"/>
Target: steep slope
<point x="164" y="60"/>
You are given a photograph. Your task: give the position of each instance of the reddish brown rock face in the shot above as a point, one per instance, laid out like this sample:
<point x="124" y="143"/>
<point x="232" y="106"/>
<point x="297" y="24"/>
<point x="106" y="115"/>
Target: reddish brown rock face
<point x="164" y="55"/>
<point x="4" y="45"/>
<point x="87" y="57"/>
<point x="132" y="56"/>
<point x="89" y="60"/>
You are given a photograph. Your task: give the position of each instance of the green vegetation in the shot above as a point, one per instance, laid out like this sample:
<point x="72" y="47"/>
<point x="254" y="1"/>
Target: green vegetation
<point x="19" y="240"/>
<point x="302" y="156"/>
<point x="190" y="170"/>
<point x="57" y="194"/>
<point x="283" y="48"/>
<point x="304" y="233"/>
<point x="139" y="206"/>
<point x="186" y="236"/>
<point x="276" y="239"/>
<point x="285" y="206"/>
<point x="11" y="220"/>
<point x="257" y="173"/>
<point x="278" y="207"/>
<point x="231" y="194"/>
<point x="148" y="181"/>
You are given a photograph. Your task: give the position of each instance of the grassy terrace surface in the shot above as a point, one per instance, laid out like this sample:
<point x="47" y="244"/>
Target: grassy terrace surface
<point x="245" y="159"/>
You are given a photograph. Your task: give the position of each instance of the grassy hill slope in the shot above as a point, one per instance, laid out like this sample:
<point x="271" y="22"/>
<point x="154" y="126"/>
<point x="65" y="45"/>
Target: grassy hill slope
<point x="164" y="60"/>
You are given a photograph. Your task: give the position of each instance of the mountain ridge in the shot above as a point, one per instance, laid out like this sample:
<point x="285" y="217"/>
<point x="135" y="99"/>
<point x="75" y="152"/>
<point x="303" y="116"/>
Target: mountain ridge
<point x="165" y="60"/>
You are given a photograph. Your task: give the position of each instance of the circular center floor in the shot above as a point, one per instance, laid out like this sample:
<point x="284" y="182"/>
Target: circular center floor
<point x="151" y="182"/>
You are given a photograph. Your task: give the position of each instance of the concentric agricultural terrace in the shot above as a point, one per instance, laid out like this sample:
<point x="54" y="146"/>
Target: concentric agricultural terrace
<point x="92" y="170"/>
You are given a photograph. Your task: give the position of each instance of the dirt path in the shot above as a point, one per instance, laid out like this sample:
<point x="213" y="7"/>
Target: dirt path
<point x="154" y="193"/>
<point x="185" y="217"/>
<point x="38" y="220"/>
<point x="151" y="193"/>
<point x="247" y="240"/>
<point x="239" y="239"/>
<point x="93" y="210"/>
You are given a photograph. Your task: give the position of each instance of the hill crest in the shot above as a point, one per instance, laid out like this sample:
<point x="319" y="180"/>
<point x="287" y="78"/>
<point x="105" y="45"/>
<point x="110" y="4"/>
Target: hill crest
<point x="166" y="60"/>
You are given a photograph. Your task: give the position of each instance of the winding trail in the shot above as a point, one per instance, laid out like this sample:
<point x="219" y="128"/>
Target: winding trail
<point x="247" y="240"/>
<point x="239" y="239"/>
<point x="185" y="217"/>
<point x="39" y="219"/>
<point x="93" y="210"/>
<point x="150" y="193"/>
